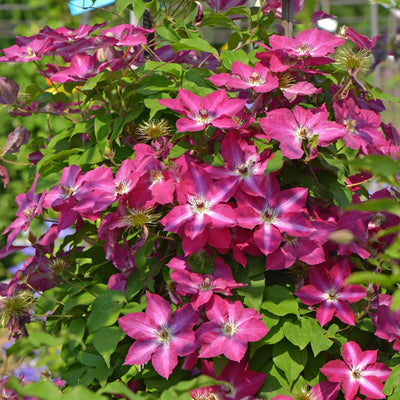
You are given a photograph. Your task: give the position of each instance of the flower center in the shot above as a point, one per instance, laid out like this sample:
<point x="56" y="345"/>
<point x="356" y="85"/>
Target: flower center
<point x="304" y="48"/>
<point x="206" y="286"/>
<point x="229" y="328"/>
<point x="156" y="176"/>
<point x="356" y="374"/>
<point x="255" y="80"/>
<point x="29" y="53"/>
<point x="67" y="191"/>
<point x="331" y="295"/>
<point x="203" y="116"/>
<point x="164" y="335"/>
<point x="244" y="169"/>
<point x="350" y="124"/>
<point x="303" y="133"/>
<point x="198" y="205"/>
<point x="268" y="215"/>
<point x="121" y="187"/>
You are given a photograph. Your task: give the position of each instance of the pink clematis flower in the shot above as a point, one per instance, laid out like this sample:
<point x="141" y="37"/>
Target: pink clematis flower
<point x="202" y="208"/>
<point x="258" y="78"/>
<point x="294" y="128"/>
<point x="215" y="109"/>
<point x="244" y="382"/>
<point x="202" y="288"/>
<point x="29" y="205"/>
<point x="274" y="213"/>
<point x="358" y="372"/>
<point x="362" y="126"/>
<point x="230" y="329"/>
<point x="159" y="336"/>
<point x="327" y="288"/>
<point x="387" y="325"/>
<point x="311" y="42"/>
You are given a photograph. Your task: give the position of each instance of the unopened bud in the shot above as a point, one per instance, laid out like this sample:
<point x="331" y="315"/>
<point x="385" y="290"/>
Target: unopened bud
<point x="8" y="91"/>
<point x="342" y="236"/>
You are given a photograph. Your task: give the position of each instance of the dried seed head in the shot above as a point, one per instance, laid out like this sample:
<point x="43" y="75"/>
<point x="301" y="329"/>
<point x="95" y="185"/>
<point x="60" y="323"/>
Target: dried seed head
<point x="138" y="218"/>
<point x="353" y="61"/>
<point x="14" y="306"/>
<point x="153" y="130"/>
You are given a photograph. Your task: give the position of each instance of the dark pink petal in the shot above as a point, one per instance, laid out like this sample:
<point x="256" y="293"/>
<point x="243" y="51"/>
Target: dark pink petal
<point x="352" y="293"/>
<point x="137" y="326"/>
<point x="164" y="360"/>
<point x="267" y="238"/>
<point x="350" y="387"/>
<point x="310" y="295"/>
<point x="372" y="386"/>
<point x="335" y="371"/>
<point x="325" y="312"/>
<point x="344" y="312"/>
<point x="158" y="309"/>
<point x="352" y="354"/>
<point x="140" y="352"/>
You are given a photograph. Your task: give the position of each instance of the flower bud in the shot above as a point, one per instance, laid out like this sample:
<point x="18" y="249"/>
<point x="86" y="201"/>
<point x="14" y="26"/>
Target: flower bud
<point x="8" y="91"/>
<point x="341" y="236"/>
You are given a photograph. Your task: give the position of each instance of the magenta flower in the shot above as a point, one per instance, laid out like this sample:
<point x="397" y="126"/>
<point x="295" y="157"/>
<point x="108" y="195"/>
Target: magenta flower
<point x="159" y="336"/>
<point x="362" y="126"/>
<point x="244" y="382"/>
<point x="33" y="50"/>
<point x="29" y="205"/>
<point x="203" y="208"/>
<point x="274" y="213"/>
<point x="294" y="128"/>
<point x="230" y="329"/>
<point x="258" y="78"/>
<point x="387" y="325"/>
<point x="327" y="288"/>
<point x="215" y="109"/>
<point x="311" y="42"/>
<point x="358" y="372"/>
<point x="202" y="288"/>
<point x="81" y="68"/>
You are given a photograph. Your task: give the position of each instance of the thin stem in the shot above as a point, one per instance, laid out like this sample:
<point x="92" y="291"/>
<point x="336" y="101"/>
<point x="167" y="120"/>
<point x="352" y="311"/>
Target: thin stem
<point x="12" y="162"/>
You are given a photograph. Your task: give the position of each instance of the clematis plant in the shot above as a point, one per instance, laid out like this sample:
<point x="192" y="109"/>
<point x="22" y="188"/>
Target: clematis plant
<point x="200" y="221"/>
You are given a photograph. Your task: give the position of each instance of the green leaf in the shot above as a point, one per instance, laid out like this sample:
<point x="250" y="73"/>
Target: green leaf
<point x="119" y="388"/>
<point x="253" y="292"/>
<point x="275" y="163"/>
<point x="395" y="305"/>
<point x="124" y="4"/>
<point x="166" y="31"/>
<point x="367" y="277"/>
<point x="39" y="339"/>
<point x="378" y="94"/>
<point x="318" y="336"/>
<point x="220" y="20"/>
<point x="76" y="300"/>
<point x="102" y="126"/>
<point x="105" y="341"/>
<point x="279" y="301"/>
<point x="178" y="149"/>
<point x="295" y="333"/>
<point x="105" y="309"/>
<point x="89" y="359"/>
<point x="385" y="204"/>
<point x="289" y="359"/>
<point x="392" y="383"/>
<point x="44" y="390"/>
<point x="228" y="57"/>
<point x="76" y="330"/>
<point x="197" y="44"/>
<point x="381" y="166"/>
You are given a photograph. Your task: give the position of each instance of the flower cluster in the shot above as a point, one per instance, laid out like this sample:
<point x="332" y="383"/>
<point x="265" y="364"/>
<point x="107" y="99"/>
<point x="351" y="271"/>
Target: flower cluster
<point x="210" y="216"/>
